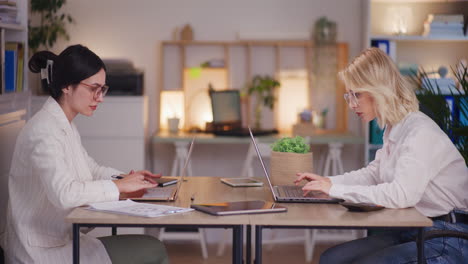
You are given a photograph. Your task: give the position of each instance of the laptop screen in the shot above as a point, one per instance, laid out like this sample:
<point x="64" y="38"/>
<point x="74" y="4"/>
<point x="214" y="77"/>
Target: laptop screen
<point x="226" y="106"/>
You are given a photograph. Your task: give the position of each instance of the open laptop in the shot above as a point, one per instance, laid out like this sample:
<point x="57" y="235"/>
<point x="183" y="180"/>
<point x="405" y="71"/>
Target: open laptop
<point x="168" y="193"/>
<point x="291" y="193"/>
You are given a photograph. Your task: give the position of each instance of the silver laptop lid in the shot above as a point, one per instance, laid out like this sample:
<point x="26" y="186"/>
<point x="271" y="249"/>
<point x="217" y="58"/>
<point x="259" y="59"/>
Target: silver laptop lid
<point x="263" y="165"/>
<point x="184" y="169"/>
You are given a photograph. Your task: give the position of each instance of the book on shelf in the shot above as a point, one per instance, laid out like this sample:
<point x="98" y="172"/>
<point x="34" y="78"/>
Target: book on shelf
<point x="441" y="25"/>
<point x="8" y="3"/>
<point x="445" y="18"/>
<point x="14" y="64"/>
<point x="10" y="70"/>
<point x="8" y="14"/>
<point x="386" y="45"/>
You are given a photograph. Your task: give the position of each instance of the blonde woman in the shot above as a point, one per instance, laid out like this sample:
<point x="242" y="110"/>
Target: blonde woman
<point x="418" y="166"/>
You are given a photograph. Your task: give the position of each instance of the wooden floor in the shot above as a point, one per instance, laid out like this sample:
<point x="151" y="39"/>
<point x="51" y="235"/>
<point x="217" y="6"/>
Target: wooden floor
<point x="190" y="253"/>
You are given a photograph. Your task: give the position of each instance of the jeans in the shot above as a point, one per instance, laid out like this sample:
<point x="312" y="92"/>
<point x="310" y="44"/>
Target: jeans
<point x="400" y="247"/>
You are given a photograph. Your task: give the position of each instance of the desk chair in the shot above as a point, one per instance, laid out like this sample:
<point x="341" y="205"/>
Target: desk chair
<point x="197" y="233"/>
<point x="10" y="126"/>
<point x="247" y="171"/>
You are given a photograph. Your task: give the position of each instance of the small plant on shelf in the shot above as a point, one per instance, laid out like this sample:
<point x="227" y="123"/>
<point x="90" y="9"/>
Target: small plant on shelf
<point x="263" y="87"/>
<point x="50" y="26"/>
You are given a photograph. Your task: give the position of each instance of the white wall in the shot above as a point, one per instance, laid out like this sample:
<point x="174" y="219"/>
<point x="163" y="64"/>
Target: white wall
<point x="134" y="30"/>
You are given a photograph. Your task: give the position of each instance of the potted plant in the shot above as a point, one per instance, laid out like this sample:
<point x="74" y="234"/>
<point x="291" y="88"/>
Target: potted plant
<point x="289" y="156"/>
<point x="263" y="87"/>
<point x="50" y="24"/>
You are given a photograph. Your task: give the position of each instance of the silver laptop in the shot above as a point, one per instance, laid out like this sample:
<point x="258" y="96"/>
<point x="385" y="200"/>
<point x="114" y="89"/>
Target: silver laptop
<point x="291" y="193"/>
<point x="168" y="193"/>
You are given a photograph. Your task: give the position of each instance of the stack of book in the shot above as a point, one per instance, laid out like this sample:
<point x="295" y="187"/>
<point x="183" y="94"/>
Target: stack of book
<point x="14" y="64"/>
<point x="438" y="25"/>
<point x="8" y="12"/>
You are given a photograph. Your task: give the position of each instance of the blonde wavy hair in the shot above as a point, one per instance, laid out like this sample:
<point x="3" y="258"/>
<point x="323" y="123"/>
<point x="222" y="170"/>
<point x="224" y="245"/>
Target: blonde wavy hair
<point x="374" y="72"/>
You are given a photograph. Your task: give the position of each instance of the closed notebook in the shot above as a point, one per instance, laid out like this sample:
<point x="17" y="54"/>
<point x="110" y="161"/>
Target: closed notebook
<point x="241" y="207"/>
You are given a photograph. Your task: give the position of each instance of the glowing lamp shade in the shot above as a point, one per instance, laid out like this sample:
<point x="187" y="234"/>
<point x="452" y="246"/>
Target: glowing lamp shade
<point x="293" y="97"/>
<point x="172" y="106"/>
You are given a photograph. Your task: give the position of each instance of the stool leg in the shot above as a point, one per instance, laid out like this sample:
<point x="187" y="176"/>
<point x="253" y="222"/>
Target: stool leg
<point x="326" y="168"/>
<point x="201" y="234"/>
<point x="222" y="244"/>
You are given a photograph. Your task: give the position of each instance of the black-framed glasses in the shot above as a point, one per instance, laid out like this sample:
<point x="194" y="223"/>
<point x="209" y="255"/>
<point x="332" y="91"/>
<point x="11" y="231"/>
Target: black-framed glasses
<point x="97" y="90"/>
<point x="352" y="97"/>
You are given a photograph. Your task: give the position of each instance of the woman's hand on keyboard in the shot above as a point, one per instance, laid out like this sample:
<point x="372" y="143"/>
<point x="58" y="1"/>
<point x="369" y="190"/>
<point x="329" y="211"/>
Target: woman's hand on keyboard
<point x="136" y="181"/>
<point x="315" y="182"/>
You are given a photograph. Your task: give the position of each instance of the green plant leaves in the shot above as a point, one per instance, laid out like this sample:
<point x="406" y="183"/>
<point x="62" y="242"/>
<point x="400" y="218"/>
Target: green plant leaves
<point x="435" y="105"/>
<point x="294" y="145"/>
<point x="52" y="25"/>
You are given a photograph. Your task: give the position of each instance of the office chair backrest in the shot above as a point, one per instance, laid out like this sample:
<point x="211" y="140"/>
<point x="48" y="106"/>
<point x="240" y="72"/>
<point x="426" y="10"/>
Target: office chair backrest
<point x="10" y="126"/>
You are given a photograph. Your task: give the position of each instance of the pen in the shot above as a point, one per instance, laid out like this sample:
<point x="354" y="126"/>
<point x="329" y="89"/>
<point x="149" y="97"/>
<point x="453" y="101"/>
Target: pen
<point x="118" y="177"/>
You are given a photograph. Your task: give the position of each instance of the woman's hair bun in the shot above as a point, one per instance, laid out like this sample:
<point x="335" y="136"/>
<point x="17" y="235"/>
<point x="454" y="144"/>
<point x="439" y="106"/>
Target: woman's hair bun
<point x="39" y="60"/>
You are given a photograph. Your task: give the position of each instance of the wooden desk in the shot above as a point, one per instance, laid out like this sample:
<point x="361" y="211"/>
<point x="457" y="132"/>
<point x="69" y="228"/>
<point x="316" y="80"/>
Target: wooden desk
<point x="181" y="141"/>
<point x="332" y="216"/>
<point x="210" y="189"/>
<point x="204" y="189"/>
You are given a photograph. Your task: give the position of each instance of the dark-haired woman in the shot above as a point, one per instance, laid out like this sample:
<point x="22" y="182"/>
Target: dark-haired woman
<point x="51" y="172"/>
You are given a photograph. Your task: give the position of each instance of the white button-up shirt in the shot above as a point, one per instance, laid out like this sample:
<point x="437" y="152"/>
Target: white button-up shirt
<point x="418" y="166"/>
<point x="51" y="174"/>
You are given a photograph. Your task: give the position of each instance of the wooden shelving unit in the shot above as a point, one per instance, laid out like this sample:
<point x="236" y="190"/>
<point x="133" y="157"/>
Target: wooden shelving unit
<point x="248" y="46"/>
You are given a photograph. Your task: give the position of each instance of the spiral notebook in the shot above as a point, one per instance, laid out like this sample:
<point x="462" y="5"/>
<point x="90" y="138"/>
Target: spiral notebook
<point x="130" y="207"/>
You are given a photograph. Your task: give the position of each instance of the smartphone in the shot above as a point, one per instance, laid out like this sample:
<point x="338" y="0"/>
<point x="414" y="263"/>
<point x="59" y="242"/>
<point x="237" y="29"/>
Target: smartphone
<point x="164" y="181"/>
<point x="362" y="207"/>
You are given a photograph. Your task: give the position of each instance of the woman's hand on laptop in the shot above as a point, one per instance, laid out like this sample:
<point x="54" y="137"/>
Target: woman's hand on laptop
<point x="315" y="182"/>
<point x="149" y="176"/>
<point x="137" y="181"/>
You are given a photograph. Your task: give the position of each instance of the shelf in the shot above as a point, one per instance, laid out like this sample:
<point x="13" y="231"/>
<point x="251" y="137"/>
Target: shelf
<point x="282" y="43"/>
<point x="8" y="26"/>
<point x="421" y="38"/>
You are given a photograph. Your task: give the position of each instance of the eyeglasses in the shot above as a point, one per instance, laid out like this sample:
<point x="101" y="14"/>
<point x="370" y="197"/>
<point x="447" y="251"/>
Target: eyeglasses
<point x="352" y="97"/>
<point x="97" y="90"/>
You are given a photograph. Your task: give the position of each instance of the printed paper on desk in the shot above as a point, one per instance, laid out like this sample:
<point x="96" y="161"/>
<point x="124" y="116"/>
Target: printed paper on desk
<point x="130" y="207"/>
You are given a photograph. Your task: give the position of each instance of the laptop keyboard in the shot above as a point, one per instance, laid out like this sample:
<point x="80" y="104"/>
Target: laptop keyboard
<point x="158" y="192"/>
<point x="292" y="191"/>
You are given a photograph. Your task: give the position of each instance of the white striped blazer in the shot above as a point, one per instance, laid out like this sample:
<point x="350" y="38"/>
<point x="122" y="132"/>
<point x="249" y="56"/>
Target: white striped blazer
<point x="51" y="174"/>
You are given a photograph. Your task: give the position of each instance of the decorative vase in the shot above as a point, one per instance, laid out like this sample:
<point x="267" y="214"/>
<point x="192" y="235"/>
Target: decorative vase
<point x="285" y="165"/>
